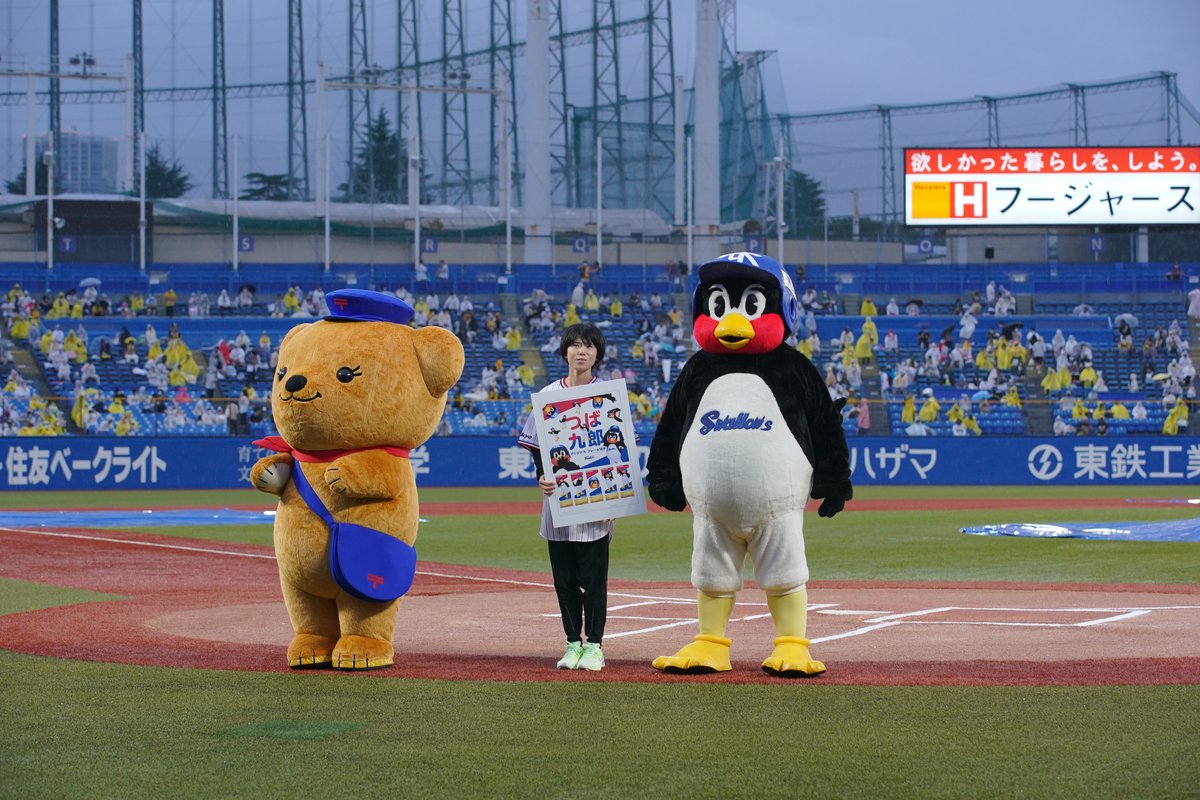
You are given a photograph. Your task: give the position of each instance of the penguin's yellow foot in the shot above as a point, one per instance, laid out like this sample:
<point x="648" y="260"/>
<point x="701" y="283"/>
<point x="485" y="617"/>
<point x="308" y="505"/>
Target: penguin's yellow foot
<point x="703" y="655"/>
<point x="791" y="659"/>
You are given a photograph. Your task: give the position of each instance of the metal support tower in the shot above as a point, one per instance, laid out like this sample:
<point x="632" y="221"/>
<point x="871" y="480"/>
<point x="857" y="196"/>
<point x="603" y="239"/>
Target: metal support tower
<point x="1079" y="101"/>
<point x="456" y="186"/>
<point x="891" y="217"/>
<point x="564" y="181"/>
<point x="407" y="59"/>
<point x="727" y="15"/>
<point x="297" y="152"/>
<point x="55" y="96"/>
<point x="776" y="172"/>
<point x="607" y="105"/>
<point x="220" y="133"/>
<point x="359" y="99"/>
<point x="139" y="97"/>
<point x="747" y="122"/>
<point x="1171" y="107"/>
<point x="993" y="121"/>
<point x="660" y="93"/>
<point x="502" y="69"/>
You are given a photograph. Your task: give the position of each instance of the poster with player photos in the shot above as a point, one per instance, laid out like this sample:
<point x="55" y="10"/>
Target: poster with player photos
<point x="588" y="445"/>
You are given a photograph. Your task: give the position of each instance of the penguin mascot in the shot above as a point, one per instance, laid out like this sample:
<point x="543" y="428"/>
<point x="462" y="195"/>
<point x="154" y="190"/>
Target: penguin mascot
<point x="748" y="434"/>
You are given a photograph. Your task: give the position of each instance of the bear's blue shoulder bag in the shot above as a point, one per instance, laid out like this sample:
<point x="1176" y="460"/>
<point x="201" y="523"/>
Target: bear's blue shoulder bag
<point x="369" y="564"/>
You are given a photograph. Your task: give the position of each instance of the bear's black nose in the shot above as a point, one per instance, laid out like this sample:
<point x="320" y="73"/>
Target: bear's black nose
<point x="295" y="383"/>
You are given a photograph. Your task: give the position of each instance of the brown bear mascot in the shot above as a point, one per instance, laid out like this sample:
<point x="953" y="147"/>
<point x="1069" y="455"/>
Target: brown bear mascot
<point x="353" y="393"/>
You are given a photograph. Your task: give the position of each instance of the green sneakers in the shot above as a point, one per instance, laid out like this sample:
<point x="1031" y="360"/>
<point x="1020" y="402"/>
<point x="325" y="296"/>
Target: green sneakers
<point x="582" y="656"/>
<point x="570" y="659"/>
<point x="592" y="658"/>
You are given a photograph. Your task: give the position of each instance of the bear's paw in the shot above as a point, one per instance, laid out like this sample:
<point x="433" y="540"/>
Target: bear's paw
<point x="362" y="652"/>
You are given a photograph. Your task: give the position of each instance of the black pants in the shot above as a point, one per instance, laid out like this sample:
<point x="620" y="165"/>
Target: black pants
<point x="581" y="583"/>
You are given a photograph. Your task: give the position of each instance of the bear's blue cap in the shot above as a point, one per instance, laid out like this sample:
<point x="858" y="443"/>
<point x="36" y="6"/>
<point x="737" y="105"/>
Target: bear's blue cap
<point x="361" y="305"/>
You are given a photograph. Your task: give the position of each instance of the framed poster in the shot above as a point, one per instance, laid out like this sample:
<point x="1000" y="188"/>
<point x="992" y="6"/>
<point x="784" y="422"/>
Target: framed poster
<point x="587" y="444"/>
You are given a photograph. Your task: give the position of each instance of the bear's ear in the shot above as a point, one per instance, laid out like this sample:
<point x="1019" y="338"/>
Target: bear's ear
<point x="441" y="357"/>
<point x="287" y="337"/>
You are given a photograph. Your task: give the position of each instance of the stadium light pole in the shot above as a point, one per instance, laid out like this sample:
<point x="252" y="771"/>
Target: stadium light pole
<point x="325" y="203"/>
<point x="501" y="80"/>
<point x="30" y="122"/>
<point x="414" y="171"/>
<point x="85" y="61"/>
<point x="689" y="201"/>
<point x="780" y="225"/>
<point x="237" y="190"/>
<point x="377" y="80"/>
<point x="599" y="204"/>
<point x="48" y="160"/>
<point x="142" y="202"/>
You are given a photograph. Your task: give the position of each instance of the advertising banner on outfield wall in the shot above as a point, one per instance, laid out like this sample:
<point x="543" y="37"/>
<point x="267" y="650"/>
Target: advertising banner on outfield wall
<point x="205" y="463"/>
<point x="1052" y="186"/>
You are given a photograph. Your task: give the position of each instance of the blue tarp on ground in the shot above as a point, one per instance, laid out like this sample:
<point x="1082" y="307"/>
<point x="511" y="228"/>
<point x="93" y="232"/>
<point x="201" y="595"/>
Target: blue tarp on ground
<point x="1179" y="530"/>
<point x="132" y="517"/>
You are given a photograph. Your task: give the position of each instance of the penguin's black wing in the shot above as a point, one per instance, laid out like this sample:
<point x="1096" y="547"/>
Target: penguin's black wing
<point x="816" y="422"/>
<point x="664" y="479"/>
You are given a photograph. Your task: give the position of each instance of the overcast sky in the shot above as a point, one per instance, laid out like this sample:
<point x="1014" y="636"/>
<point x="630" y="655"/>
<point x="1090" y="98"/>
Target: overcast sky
<point x="835" y="54"/>
<point x="832" y="55"/>
<point x="842" y="53"/>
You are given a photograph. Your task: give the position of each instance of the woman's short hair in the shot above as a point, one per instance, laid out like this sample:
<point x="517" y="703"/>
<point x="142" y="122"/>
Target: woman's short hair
<point x="584" y="332"/>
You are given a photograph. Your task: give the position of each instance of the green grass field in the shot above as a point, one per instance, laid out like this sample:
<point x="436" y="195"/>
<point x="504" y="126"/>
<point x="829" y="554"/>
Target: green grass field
<point x="78" y="729"/>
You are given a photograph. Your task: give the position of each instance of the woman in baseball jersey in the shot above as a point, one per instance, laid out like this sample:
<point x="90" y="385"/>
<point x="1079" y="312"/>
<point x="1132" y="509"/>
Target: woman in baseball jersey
<point x="578" y="553"/>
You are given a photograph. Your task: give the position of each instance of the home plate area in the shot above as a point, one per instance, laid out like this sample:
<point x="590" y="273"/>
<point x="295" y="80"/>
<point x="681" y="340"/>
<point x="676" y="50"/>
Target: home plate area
<point x="192" y="603"/>
<point x="862" y="622"/>
<point x="865" y="633"/>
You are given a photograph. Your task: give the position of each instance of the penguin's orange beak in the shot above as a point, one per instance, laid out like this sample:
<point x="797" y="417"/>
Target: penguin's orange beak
<point x="734" y="331"/>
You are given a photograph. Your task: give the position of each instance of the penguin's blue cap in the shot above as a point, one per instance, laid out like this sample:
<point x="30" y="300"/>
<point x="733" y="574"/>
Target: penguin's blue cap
<point x="361" y="305"/>
<point x="754" y="266"/>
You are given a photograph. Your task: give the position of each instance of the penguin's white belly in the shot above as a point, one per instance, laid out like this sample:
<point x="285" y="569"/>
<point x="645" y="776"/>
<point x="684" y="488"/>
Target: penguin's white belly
<point x="739" y="460"/>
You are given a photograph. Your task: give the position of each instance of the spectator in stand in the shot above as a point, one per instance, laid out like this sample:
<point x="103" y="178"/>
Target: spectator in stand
<point x="1087" y="376"/>
<point x="864" y="416"/>
<point x="1062" y="427"/>
<point x="918" y="428"/>
<point x="211" y="379"/>
<point x="808" y="300"/>
<point x="891" y="342"/>
<point x="867" y="308"/>
<point x="929" y="408"/>
<point x="1176" y="421"/>
<point x="893" y="308"/>
<point x="88" y="373"/>
<point x="1193" y="308"/>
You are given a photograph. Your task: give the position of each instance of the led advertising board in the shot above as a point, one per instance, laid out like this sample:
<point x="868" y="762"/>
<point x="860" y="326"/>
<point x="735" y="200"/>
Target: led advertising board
<point x="1052" y="186"/>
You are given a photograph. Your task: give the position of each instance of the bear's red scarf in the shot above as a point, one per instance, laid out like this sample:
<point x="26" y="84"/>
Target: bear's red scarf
<point x="279" y="445"/>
